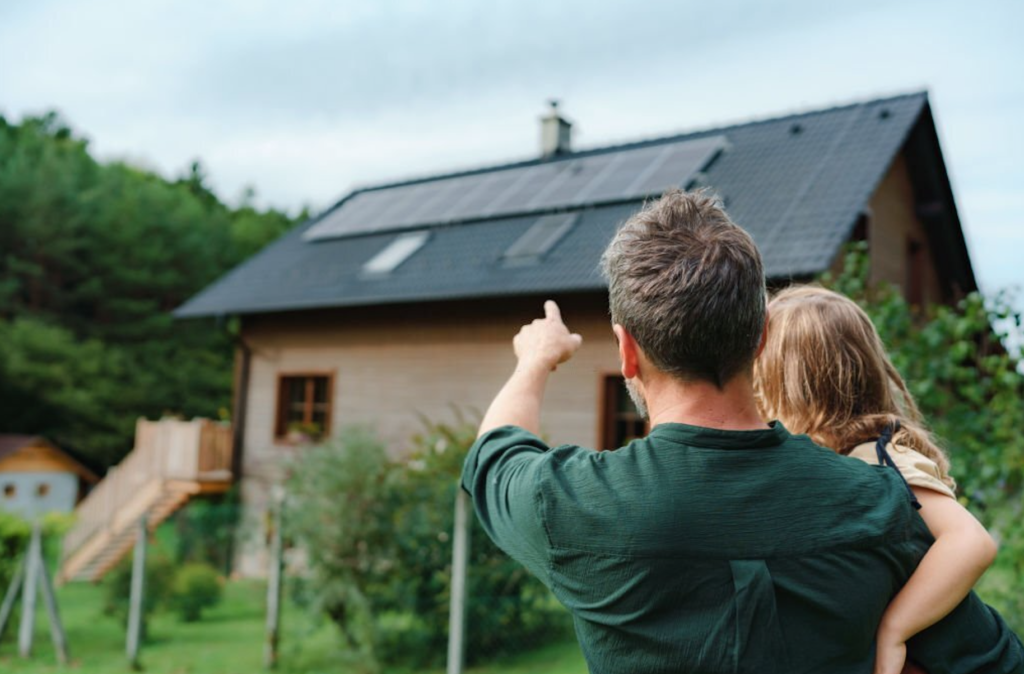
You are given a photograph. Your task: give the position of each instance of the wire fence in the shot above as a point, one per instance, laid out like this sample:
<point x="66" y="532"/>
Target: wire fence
<point x="462" y="604"/>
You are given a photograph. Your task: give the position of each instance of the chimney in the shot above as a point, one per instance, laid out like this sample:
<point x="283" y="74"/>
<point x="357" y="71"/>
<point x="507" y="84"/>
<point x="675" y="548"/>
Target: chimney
<point x="555" y="133"/>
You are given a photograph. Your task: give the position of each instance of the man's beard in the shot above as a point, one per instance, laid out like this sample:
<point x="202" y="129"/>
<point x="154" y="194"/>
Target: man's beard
<point x="637" y="398"/>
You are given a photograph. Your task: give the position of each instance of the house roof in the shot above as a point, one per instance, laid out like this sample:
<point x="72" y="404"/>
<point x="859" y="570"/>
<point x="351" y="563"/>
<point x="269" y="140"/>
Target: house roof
<point x="796" y="183"/>
<point x="11" y="443"/>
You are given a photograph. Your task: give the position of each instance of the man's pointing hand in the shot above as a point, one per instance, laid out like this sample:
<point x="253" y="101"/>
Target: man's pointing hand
<point x="546" y="342"/>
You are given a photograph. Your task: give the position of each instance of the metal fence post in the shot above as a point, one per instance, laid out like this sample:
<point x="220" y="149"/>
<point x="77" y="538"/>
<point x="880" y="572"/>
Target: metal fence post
<point x="136" y="615"/>
<point x="13" y="590"/>
<point x="33" y="562"/>
<point x="460" y="559"/>
<point x="274" y="582"/>
<point x="60" y="639"/>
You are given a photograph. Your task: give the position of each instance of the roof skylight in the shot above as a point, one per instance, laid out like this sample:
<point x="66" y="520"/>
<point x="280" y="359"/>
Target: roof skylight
<point x="395" y="253"/>
<point x="540" y="238"/>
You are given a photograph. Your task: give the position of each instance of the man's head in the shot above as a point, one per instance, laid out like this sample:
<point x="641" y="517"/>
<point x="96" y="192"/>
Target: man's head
<point x="688" y="286"/>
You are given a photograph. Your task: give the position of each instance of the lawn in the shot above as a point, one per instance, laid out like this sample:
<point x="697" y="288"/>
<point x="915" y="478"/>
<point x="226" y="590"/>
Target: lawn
<point x="229" y="640"/>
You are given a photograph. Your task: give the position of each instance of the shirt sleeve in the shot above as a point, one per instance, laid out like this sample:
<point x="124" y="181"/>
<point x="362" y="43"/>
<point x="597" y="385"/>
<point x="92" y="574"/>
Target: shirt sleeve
<point x="502" y="476"/>
<point x="917" y="469"/>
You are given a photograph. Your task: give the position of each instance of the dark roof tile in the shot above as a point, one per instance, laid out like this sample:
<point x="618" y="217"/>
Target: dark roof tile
<point x="798" y="194"/>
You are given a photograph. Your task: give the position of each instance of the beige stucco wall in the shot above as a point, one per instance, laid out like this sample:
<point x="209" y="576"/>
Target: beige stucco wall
<point x="391" y="365"/>
<point x="893" y="221"/>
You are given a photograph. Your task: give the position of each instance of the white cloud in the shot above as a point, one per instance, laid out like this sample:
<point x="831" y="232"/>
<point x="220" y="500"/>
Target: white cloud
<point x="304" y="99"/>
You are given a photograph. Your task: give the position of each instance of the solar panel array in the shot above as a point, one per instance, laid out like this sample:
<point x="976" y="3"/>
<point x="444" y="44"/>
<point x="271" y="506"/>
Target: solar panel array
<point x="567" y="183"/>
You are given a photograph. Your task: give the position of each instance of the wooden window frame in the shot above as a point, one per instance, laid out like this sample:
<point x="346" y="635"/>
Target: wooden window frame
<point x="606" y="415"/>
<point x="281" y="432"/>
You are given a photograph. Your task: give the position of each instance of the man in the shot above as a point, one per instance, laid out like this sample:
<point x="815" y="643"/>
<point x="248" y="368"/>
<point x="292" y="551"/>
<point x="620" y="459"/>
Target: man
<point x="718" y="543"/>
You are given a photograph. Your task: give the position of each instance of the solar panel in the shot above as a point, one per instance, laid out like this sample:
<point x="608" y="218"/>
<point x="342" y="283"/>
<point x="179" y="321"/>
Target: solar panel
<point x="574" y="178"/>
<point x="435" y="205"/>
<point x="524" y="188"/>
<point x="481" y="191"/>
<point x="617" y="175"/>
<point x="622" y="174"/>
<point x="678" y="167"/>
<point x="410" y="200"/>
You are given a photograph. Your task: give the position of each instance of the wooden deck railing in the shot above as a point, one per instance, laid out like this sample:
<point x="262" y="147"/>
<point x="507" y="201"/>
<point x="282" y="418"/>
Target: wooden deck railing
<point x="193" y="451"/>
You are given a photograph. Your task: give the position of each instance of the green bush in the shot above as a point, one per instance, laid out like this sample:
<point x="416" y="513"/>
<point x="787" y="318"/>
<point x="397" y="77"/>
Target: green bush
<point x="205" y="531"/>
<point x="963" y="365"/>
<point x="378" y="538"/>
<point x="157" y="587"/>
<point x="14" y="535"/>
<point x="197" y="587"/>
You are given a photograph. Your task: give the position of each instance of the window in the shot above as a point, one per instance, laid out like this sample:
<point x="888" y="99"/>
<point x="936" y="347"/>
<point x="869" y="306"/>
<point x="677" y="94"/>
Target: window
<point x="539" y="239"/>
<point x="42" y="490"/>
<point x="10" y="490"/>
<point x="303" y="407"/>
<point x="915" y="262"/>
<point x="396" y="252"/>
<point x="620" y="420"/>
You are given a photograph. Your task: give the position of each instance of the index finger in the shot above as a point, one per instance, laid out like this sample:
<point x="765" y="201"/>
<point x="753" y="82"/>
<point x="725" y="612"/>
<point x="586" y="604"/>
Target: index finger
<point x="551" y="311"/>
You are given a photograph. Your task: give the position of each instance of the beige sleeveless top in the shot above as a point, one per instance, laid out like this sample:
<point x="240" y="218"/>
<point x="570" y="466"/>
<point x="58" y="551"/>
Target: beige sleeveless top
<point x="918" y="470"/>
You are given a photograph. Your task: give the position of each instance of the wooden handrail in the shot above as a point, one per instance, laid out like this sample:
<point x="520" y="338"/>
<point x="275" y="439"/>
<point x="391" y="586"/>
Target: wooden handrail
<point x="168" y="449"/>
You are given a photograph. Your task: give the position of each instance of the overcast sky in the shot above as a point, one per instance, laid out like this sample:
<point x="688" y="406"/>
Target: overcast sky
<point x="302" y="100"/>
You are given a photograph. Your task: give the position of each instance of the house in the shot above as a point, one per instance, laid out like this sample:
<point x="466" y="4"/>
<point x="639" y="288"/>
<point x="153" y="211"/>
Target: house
<point x="37" y="477"/>
<point x="401" y="300"/>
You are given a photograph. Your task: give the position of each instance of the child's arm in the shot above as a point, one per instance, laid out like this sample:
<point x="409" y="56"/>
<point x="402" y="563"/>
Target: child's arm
<point x="962" y="551"/>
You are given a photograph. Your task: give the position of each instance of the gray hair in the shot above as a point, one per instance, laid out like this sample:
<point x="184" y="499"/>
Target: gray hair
<point x="688" y="284"/>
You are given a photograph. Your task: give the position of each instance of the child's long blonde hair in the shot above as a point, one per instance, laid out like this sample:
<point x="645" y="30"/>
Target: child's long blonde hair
<point x="824" y="372"/>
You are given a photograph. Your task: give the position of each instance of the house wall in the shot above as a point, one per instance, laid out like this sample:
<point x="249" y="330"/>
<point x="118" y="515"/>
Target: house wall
<point x="20" y="492"/>
<point x="893" y="222"/>
<point x="391" y="365"/>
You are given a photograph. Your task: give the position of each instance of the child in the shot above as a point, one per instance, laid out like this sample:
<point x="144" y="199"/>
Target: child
<point x="825" y="373"/>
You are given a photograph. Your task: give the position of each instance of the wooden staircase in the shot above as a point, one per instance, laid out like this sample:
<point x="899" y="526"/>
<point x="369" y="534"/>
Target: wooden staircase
<point x="172" y="462"/>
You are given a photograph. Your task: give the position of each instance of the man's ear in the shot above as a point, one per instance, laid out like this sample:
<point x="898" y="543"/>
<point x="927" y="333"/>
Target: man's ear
<point x="764" y="335"/>
<point x="629" y="352"/>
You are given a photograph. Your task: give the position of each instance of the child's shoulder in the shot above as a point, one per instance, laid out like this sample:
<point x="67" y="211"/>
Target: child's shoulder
<point x="917" y="469"/>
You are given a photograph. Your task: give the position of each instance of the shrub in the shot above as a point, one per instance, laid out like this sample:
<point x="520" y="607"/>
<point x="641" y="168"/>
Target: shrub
<point x="157" y="587"/>
<point x="963" y="365"/>
<point x="205" y="530"/>
<point x="196" y="587"/>
<point x="14" y="535"/>
<point x="378" y="538"/>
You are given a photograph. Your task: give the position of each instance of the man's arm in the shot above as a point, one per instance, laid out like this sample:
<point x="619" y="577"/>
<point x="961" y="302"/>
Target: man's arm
<point x="503" y="470"/>
<point x="539" y="347"/>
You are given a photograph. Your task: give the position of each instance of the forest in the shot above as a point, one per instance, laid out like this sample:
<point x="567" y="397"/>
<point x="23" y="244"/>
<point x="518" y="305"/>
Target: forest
<point x="94" y="256"/>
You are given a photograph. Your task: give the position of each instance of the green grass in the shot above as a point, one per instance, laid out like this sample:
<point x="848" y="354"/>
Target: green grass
<point x="228" y="640"/>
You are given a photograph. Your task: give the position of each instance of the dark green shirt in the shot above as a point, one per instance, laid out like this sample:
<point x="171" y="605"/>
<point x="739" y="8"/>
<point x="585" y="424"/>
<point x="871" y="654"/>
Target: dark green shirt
<point x="699" y="550"/>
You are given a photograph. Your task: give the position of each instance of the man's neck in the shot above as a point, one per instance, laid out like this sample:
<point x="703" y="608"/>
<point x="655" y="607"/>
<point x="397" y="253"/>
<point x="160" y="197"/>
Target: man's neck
<point x="731" y="408"/>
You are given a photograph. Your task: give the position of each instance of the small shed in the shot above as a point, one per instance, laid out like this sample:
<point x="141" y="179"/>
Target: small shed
<point x="37" y="477"/>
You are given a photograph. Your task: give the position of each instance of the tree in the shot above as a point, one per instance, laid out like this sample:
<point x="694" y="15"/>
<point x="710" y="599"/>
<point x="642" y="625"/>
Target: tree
<point x="93" y="258"/>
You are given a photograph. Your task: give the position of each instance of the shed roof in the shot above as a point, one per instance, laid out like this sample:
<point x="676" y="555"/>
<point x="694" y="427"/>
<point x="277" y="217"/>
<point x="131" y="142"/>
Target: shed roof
<point x="796" y="183"/>
<point x="12" y="443"/>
